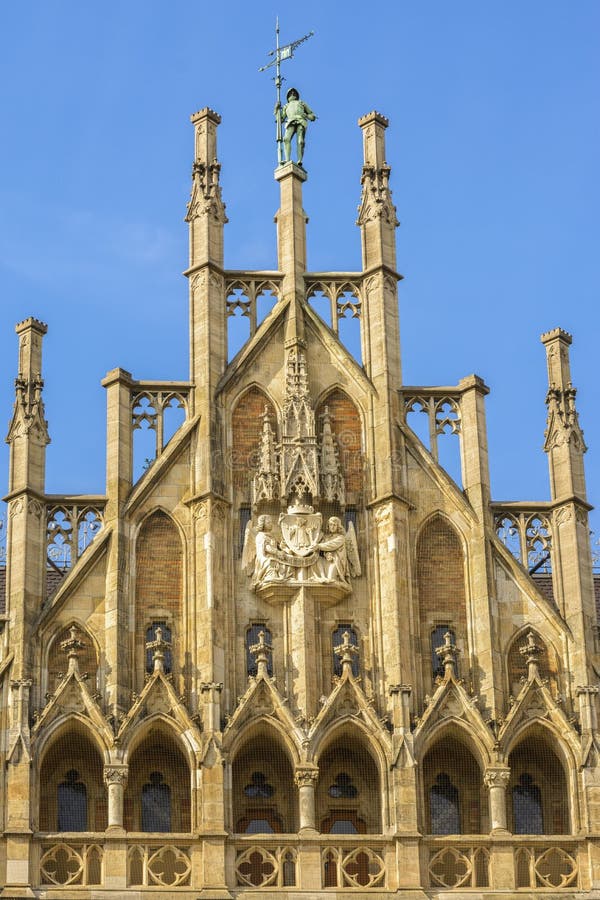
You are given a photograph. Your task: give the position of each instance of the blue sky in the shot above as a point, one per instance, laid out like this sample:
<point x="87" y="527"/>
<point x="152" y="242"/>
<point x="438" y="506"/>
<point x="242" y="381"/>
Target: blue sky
<point x="493" y="142"/>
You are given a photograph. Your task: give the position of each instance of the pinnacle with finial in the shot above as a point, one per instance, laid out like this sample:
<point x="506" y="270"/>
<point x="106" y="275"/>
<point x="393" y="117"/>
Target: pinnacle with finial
<point x="447" y="654"/>
<point x="158" y="647"/>
<point x="346" y="652"/>
<point x="261" y="651"/>
<point x="530" y="651"/>
<point x="72" y="646"/>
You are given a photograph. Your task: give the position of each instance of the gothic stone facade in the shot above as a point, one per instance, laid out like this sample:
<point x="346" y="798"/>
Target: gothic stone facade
<point x="294" y="656"/>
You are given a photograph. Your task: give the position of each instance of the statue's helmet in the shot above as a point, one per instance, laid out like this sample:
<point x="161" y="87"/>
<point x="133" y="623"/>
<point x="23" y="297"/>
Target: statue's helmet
<point x="292" y="93"/>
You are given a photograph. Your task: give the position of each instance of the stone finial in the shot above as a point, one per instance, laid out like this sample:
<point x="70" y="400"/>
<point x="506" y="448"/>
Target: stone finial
<point x="72" y="647"/>
<point x="346" y="651"/>
<point x="158" y="648"/>
<point x="447" y="654"/>
<point x="530" y="651"/>
<point x="261" y="652"/>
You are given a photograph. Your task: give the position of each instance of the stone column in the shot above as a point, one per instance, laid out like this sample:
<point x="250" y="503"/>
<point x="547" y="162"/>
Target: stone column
<point x="496" y="781"/>
<point x="306" y="781"/>
<point x="115" y="778"/>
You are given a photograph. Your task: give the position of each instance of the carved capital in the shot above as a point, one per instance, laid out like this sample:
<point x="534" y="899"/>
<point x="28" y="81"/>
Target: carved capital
<point x="116" y="775"/>
<point x="496" y="778"/>
<point x="306" y="777"/>
<point x="587" y="689"/>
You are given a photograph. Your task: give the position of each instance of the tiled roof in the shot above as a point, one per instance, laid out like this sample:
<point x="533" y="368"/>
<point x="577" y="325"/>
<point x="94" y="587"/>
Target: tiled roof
<point x="53" y="579"/>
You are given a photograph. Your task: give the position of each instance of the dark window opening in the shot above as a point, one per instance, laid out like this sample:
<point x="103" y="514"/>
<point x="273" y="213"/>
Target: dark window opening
<point x="156" y="804"/>
<point x="444" y="806"/>
<point x="72" y="803"/>
<point x="527" y="806"/>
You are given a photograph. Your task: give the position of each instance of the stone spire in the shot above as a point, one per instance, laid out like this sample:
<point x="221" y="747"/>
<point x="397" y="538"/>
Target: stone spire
<point x="28" y="430"/>
<point x="564" y="442"/>
<point x="332" y="482"/>
<point x="265" y="484"/>
<point x="376" y="213"/>
<point x="299" y="457"/>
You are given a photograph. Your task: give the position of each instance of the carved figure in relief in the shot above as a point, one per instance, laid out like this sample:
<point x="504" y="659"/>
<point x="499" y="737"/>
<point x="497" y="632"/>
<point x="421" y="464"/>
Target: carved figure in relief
<point x="304" y="554"/>
<point x="261" y="556"/>
<point x="296" y="114"/>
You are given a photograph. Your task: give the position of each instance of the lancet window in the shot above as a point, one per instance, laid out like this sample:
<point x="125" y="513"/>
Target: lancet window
<point x="527" y="806"/>
<point x="444" y="806"/>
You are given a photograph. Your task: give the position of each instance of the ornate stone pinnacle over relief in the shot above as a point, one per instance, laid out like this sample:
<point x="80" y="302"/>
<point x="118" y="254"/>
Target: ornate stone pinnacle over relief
<point x="261" y="651"/>
<point x="158" y="647"/>
<point x="447" y="654"/>
<point x="265" y="484"/>
<point x="346" y="652"/>
<point x="530" y="651"/>
<point x="72" y="647"/>
<point x="562" y="425"/>
<point x="332" y="483"/>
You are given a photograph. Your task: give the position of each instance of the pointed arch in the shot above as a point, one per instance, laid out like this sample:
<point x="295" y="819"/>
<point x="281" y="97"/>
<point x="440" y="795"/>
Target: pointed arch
<point x="479" y="741"/>
<point x="246" y="427"/>
<point x="350" y="788"/>
<point x="541" y="791"/>
<point x="71" y="791"/>
<point x="159" y="565"/>
<point x="159" y="788"/>
<point x="263" y="794"/>
<point x="55" y="663"/>
<point x="441" y="589"/>
<point x="347" y="427"/>
<point x="454" y="799"/>
<point x="516" y="667"/>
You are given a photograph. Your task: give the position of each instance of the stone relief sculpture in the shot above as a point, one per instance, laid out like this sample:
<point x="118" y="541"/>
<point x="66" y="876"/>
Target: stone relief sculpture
<point x="302" y="553"/>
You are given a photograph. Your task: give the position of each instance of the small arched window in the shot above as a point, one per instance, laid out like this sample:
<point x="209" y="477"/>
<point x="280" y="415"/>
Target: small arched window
<point x="337" y="638"/>
<point x="444" y="806"/>
<point x="166" y="636"/>
<point x="251" y="640"/>
<point x="437" y="640"/>
<point x="156" y="804"/>
<point x="72" y="803"/>
<point x="527" y="806"/>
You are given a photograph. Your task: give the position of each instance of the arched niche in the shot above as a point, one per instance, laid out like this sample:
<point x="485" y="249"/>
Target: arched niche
<point x="158" y="792"/>
<point x="246" y="430"/>
<point x="72" y="794"/>
<point x="454" y="796"/>
<point x="547" y="662"/>
<point x="440" y="570"/>
<point x="346" y="427"/>
<point x="57" y="658"/>
<point x="158" y="588"/>
<point x="264" y="797"/>
<point x="348" y="792"/>
<point x="538" y="792"/>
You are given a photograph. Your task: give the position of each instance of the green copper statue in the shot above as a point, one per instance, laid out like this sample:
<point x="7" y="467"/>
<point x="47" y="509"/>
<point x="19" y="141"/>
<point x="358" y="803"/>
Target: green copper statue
<point x="296" y="114"/>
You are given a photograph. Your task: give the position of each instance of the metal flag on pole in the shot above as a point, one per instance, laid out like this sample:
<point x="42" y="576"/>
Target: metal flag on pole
<point x="281" y="53"/>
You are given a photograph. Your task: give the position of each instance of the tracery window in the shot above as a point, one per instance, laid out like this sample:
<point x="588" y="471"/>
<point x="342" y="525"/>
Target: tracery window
<point x="251" y="639"/>
<point x="437" y="640"/>
<point x="337" y="638"/>
<point x="527" y="806"/>
<point x="166" y="636"/>
<point x="156" y="804"/>
<point x="444" y="806"/>
<point x="72" y="803"/>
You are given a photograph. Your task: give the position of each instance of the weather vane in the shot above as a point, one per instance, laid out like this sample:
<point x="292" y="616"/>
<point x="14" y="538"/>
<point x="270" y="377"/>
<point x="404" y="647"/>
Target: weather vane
<point x="295" y="112"/>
